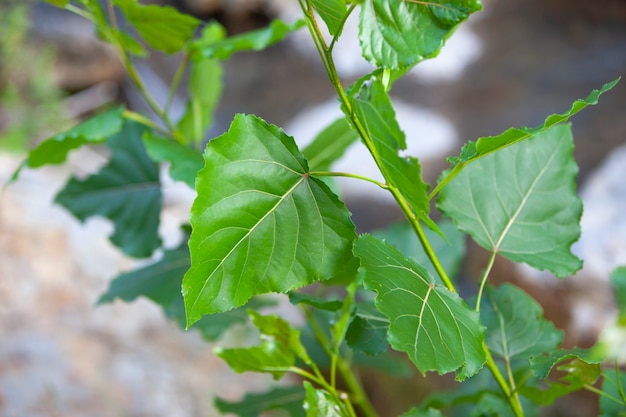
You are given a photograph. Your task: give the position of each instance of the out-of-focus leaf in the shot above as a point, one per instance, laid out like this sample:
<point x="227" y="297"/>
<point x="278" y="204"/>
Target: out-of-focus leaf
<point x="127" y="191"/>
<point x="332" y="13"/>
<point x="614" y="385"/>
<point x="521" y="202"/>
<point x="427" y="321"/>
<point x="398" y="33"/>
<point x="184" y="161"/>
<point x="317" y="302"/>
<point x="255" y="40"/>
<point x="542" y="364"/>
<point x="368" y="330"/>
<point x="431" y="412"/>
<point x="319" y="402"/>
<point x="260" y="222"/>
<point x="329" y="145"/>
<point x="618" y="281"/>
<point x="163" y="27"/>
<point x="289" y="399"/>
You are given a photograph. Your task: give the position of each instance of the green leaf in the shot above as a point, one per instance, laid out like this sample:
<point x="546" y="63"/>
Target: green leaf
<point x="614" y="385"/>
<point x="94" y="130"/>
<point x="280" y="345"/>
<point x="491" y="405"/>
<point x="184" y="161"/>
<point x="58" y="3"/>
<point x="126" y="190"/>
<point x="521" y="202"/>
<point x="317" y="302"/>
<point x="368" y="331"/>
<point x="484" y="146"/>
<point x="205" y="90"/>
<point x="427" y="321"/>
<point x="542" y="364"/>
<point x="255" y="40"/>
<point x="289" y="399"/>
<point x="400" y="33"/>
<point x="618" y="281"/>
<point x="515" y="324"/>
<point x="329" y="145"/>
<point x="319" y="402"/>
<point x="260" y="222"/>
<point x="374" y="109"/>
<point x="332" y="13"/>
<point x="162" y="27"/>
<point x="431" y="412"/>
<point x="450" y="253"/>
<point x="128" y="43"/>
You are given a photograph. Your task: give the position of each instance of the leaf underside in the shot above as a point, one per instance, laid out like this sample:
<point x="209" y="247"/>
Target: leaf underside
<point x="260" y="222"/>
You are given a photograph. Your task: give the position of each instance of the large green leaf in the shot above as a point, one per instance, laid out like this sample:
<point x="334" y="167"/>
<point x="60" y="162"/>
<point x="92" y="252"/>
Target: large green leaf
<point x="127" y="191"/>
<point x="332" y="13"/>
<point x="400" y="33"/>
<point x="94" y="130"/>
<point x="516" y="328"/>
<point x="289" y="399"/>
<point x="260" y="222"/>
<point x="162" y="27"/>
<point x="319" y="402"/>
<point x="280" y="346"/>
<point x="185" y="162"/>
<point x="330" y="145"/>
<point x="485" y="146"/>
<point x="427" y="321"/>
<point x="450" y="253"/>
<point x="375" y="111"/>
<point x="255" y="40"/>
<point x="521" y="202"/>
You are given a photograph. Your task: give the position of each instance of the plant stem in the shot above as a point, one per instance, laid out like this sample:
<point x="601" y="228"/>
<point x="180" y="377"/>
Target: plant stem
<point x="483" y="280"/>
<point x="431" y="255"/>
<point x="175" y="82"/>
<point x="603" y="394"/>
<point x="513" y="400"/>
<point x="349" y="175"/>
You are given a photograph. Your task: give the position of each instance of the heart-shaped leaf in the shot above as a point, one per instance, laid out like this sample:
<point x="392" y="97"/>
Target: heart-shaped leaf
<point x="427" y="321"/>
<point x="260" y="222"/>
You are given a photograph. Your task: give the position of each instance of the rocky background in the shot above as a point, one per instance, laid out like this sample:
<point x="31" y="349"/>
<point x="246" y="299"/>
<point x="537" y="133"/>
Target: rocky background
<point x="519" y="61"/>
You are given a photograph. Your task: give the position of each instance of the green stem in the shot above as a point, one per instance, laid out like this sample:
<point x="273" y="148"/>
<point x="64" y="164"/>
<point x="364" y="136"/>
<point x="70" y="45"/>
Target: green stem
<point x="453" y="173"/>
<point x="431" y="254"/>
<point x="483" y="279"/>
<point x="359" y="397"/>
<point x="140" y="118"/>
<point x="80" y="12"/>
<point x="349" y="175"/>
<point x="513" y="400"/>
<point x="175" y="82"/>
<point x="620" y="387"/>
<point x="603" y="394"/>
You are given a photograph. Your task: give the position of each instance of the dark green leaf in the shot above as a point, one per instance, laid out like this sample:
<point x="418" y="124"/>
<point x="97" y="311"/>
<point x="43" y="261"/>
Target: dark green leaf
<point x="400" y="33"/>
<point x="543" y="364"/>
<point x="332" y="13"/>
<point x="205" y="89"/>
<point x="126" y="190"/>
<point x="375" y="111"/>
<point x="433" y="325"/>
<point x="162" y="27"/>
<point x="521" y="202"/>
<point x="614" y="385"/>
<point x="368" y="334"/>
<point x="184" y="161"/>
<point x="484" y="146"/>
<point x="280" y="345"/>
<point x="491" y="405"/>
<point x="319" y="402"/>
<point x="317" y="302"/>
<point x="260" y="223"/>
<point x="431" y="412"/>
<point x="618" y="281"/>
<point x="255" y="40"/>
<point x="515" y="324"/>
<point x="329" y="145"/>
<point x="94" y="130"/>
<point x="450" y="253"/>
<point x="278" y="398"/>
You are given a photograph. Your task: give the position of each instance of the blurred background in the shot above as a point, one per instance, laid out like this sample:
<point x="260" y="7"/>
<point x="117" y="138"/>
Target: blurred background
<point x="513" y="64"/>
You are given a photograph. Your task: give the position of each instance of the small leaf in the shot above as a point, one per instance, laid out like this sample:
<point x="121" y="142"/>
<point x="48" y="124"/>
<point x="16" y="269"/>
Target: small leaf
<point x="450" y="253"/>
<point x="332" y="13"/>
<point x="264" y="226"/>
<point x="205" y="90"/>
<point x="126" y="190"/>
<point x="289" y="399"/>
<point x="614" y="385"/>
<point x="162" y="27"/>
<point x="368" y="331"/>
<point x="542" y="364"/>
<point x="319" y="402"/>
<point x="94" y="130"/>
<point x="330" y="145"/>
<point x="374" y="109"/>
<point x="317" y="302"/>
<point x="484" y="146"/>
<point x="521" y="202"/>
<point x="280" y="344"/>
<point x="515" y="324"/>
<point x="255" y="40"/>
<point x="427" y="321"/>
<point x="399" y="33"/>
<point x="185" y="162"/>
